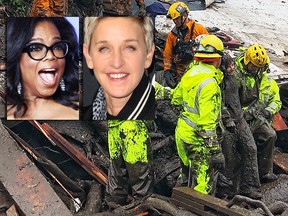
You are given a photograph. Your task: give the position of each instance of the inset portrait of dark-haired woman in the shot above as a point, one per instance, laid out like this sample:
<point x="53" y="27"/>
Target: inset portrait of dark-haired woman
<point x="42" y="69"/>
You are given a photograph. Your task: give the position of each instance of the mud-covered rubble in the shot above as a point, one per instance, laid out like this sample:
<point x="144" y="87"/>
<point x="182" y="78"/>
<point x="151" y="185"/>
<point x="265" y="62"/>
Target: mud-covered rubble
<point x="166" y="161"/>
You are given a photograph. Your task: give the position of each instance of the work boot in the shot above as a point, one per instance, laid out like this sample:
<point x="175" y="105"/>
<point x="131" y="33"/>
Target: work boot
<point x="269" y="177"/>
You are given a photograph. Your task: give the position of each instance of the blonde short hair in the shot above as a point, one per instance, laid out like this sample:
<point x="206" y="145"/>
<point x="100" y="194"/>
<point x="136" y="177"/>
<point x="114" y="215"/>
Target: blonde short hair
<point x="145" y="23"/>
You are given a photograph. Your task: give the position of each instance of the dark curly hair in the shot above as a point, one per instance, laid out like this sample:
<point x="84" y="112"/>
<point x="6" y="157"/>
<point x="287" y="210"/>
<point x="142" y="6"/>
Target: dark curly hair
<point x="19" y="33"/>
<point x="227" y="61"/>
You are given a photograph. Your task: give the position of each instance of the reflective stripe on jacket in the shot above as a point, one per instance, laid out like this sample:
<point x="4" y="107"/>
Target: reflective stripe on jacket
<point x="200" y="96"/>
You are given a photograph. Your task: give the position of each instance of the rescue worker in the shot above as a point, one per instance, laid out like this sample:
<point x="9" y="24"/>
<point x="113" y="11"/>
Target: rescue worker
<point x="130" y="170"/>
<point x="122" y="7"/>
<point x="45" y="8"/>
<point x="237" y="140"/>
<point x="178" y="51"/>
<point x="260" y="100"/>
<point x="200" y="96"/>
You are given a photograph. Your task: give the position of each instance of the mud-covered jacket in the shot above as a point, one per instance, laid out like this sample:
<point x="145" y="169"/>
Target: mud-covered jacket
<point x="194" y="29"/>
<point x="200" y="96"/>
<point x="256" y="93"/>
<point x="231" y="109"/>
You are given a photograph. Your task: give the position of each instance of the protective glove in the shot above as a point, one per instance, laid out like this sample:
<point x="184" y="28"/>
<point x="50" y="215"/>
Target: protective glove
<point x="170" y="78"/>
<point x="141" y="9"/>
<point x="266" y="114"/>
<point x="247" y="115"/>
<point x="231" y="126"/>
<point x="218" y="160"/>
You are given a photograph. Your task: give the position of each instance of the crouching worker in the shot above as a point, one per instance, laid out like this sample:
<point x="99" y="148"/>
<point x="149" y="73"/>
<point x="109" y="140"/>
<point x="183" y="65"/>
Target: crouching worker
<point x="260" y="100"/>
<point x="130" y="171"/>
<point x="200" y="95"/>
<point x="238" y="145"/>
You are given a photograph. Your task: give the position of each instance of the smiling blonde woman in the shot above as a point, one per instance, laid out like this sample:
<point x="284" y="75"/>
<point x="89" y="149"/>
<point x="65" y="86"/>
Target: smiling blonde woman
<point x="119" y="50"/>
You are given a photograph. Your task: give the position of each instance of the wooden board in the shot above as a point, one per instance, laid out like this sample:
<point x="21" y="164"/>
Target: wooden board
<point x="206" y="204"/>
<point x="281" y="161"/>
<point x="24" y="182"/>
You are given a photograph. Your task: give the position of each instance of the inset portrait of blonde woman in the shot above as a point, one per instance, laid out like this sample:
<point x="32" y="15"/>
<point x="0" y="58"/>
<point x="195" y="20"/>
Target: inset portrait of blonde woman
<point x="119" y="50"/>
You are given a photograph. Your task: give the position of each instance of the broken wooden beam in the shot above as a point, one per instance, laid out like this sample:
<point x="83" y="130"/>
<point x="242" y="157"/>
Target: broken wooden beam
<point x="24" y="182"/>
<point x="69" y="149"/>
<point x="279" y="123"/>
<point x="204" y="204"/>
<point x="67" y="184"/>
<point x="281" y="160"/>
<point x="282" y="139"/>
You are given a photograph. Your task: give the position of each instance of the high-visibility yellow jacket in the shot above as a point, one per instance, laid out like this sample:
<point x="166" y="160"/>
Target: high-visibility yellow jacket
<point x="259" y="91"/>
<point x="200" y="96"/>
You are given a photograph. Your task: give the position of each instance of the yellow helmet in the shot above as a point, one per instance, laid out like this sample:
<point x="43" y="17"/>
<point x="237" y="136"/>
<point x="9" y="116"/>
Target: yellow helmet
<point x="210" y="47"/>
<point x="176" y="10"/>
<point x="257" y="55"/>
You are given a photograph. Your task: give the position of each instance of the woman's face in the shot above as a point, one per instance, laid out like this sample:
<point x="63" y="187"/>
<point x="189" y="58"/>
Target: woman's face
<point x="118" y="55"/>
<point x="42" y="78"/>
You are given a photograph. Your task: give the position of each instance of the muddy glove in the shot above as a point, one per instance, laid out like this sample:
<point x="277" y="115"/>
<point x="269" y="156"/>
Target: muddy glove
<point x="141" y="9"/>
<point x="218" y="159"/>
<point x="170" y="78"/>
<point x="231" y="127"/>
<point x="266" y="114"/>
<point x="247" y="115"/>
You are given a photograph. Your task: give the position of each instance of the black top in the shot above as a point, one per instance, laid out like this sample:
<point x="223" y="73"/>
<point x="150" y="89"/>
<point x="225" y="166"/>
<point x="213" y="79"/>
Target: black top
<point x="140" y="106"/>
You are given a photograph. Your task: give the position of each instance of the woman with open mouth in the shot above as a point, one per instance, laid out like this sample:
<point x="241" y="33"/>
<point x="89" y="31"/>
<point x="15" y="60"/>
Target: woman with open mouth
<point x="43" y="69"/>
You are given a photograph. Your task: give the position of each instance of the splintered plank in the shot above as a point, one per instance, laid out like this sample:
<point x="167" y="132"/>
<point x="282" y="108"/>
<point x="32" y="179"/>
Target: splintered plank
<point x="24" y="182"/>
<point x="57" y="139"/>
<point x="281" y="160"/>
<point x="204" y="204"/>
<point x="278" y="122"/>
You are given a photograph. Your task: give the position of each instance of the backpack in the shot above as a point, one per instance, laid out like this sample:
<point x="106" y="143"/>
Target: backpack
<point x="184" y="49"/>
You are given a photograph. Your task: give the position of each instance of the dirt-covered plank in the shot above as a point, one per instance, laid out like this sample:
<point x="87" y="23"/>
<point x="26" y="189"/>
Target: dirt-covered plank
<point x="25" y="183"/>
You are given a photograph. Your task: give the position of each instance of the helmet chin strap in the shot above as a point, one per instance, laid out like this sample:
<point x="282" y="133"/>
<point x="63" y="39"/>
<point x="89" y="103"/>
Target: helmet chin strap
<point x="183" y="21"/>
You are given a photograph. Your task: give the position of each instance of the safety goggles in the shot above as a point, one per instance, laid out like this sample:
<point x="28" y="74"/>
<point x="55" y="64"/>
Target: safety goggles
<point x="38" y="51"/>
<point x="208" y="49"/>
